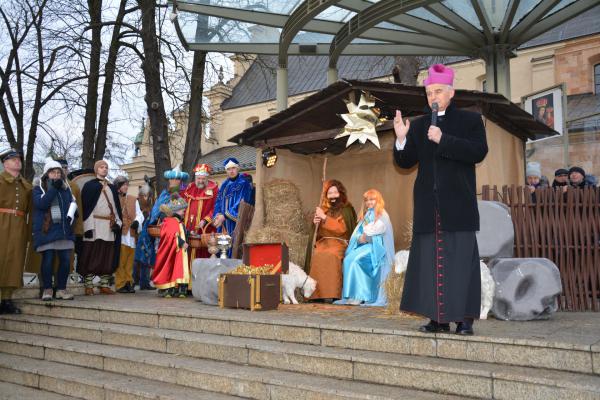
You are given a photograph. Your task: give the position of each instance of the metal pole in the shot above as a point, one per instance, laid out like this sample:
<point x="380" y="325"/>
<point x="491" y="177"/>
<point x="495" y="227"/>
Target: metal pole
<point x="565" y="131"/>
<point x="332" y="75"/>
<point x="282" y="88"/>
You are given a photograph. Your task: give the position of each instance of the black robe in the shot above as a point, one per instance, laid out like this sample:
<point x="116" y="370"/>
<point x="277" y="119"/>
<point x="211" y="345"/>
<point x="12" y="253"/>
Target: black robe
<point x="90" y="193"/>
<point x="443" y="278"/>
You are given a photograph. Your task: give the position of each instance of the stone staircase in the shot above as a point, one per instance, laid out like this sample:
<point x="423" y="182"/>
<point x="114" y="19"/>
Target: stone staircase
<point x="140" y="347"/>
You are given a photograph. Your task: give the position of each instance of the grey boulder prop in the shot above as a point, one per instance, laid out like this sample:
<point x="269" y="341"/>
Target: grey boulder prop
<point x="496" y="236"/>
<point x="205" y="275"/>
<point x="526" y="288"/>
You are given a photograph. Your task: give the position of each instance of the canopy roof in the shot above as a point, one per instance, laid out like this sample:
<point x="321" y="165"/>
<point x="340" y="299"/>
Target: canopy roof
<point x="368" y="27"/>
<point x="310" y="125"/>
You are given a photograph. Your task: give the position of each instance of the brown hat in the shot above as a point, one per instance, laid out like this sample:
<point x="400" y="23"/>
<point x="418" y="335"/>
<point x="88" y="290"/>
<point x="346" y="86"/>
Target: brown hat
<point x="98" y="164"/>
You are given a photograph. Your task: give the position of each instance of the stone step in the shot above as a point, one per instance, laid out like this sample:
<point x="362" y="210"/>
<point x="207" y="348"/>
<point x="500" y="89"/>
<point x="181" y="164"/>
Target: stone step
<point x="412" y="371"/>
<point x="33" y="291"/>
<point x="233" y="379"/>
<point x="11" y="391"/>
<point x="562" y="356"/>
<point x="91" y="384"/>
<point x="471" y="379"/>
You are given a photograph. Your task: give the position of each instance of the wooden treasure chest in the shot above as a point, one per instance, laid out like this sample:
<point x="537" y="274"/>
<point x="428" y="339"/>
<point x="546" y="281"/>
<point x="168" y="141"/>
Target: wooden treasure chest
<point x="250" y="291"/>
<point x="259" y="254"/>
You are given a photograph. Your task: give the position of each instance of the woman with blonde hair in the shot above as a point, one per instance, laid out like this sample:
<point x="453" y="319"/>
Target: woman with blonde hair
<point x="369" y="256"/>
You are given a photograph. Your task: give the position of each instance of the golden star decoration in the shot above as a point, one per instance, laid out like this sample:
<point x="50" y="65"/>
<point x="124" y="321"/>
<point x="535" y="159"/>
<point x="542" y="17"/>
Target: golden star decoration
<point x="361" y="121"/>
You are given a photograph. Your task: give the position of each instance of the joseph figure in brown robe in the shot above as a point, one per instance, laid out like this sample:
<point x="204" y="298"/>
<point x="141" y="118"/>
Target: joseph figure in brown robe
<point x="336" y="220"/>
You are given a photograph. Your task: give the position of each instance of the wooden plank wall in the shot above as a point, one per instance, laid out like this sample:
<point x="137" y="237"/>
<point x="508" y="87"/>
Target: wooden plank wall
<point x="563" y="227"/>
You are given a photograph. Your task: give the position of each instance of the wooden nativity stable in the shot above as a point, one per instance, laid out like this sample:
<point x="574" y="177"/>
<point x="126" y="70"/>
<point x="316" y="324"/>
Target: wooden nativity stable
<point x="303" y="136"/>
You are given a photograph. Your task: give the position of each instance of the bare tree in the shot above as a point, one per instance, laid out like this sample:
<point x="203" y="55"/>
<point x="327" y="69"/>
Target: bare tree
<point x="32" y="74"/>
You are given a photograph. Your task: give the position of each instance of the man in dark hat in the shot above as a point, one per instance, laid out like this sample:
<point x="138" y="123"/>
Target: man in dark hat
<point x="15" y="205"/>
<point x="443" y="280"/>
<point x="577" y="178"/>
<point x="561" y="178"/>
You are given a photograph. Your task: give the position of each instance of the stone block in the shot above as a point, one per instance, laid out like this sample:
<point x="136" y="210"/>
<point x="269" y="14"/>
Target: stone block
<point x="423" y="378"/>
<point x="496" y="234"/>
<point x="73" y="358"/>
<point x="284" y="333"/>
<point x="214" y="326"/>
<point x="205" y="275"/>
<point x="71" y="388"/>
<point x="140" y="369"/>
<point x="302" y="363"/>
<point x="287" y="393"/>
<point x="511" y="390"/>
<point x="366" y="341"/>
<point x="74" y="333"/>
<point x="526" y="288"/>
<point x="24" y="378"/>
<point x="223" y="384"/>
<point x="153" y="343"/>
<point x="543" y="357"/>
<point x="20" y="349"/>
<point x="26" y="327"/>
<point x="129" y="318"/>
<point x="209" y="351"/>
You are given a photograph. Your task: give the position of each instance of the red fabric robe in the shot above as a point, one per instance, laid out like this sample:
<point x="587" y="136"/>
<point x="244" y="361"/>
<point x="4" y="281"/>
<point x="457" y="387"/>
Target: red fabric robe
<point x="171" y="267"/>
<point x="201" y="204"/>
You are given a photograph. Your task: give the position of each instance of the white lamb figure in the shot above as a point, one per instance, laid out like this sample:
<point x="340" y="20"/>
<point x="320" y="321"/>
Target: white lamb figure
<point x="487" y="282"/>
<point x="488" y="288"/>
<point x="296" y="278"/>
<point x="401" y="261"/>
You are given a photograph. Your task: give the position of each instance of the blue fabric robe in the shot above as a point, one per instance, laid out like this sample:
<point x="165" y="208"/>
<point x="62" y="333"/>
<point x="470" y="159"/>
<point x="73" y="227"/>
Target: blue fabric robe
<point x="145" y="250"/>
<point x="367" y="265"/>
<point x="231" y="193"/>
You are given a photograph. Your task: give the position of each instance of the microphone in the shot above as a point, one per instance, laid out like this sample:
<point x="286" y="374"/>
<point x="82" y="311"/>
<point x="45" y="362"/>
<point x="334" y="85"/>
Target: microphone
<point x="434" y="112"/>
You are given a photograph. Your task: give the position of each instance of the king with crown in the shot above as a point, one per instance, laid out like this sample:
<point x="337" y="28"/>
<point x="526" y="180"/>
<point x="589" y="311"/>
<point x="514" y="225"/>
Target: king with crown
<point x="200" y="196"/>
<point x="233" y="190"/>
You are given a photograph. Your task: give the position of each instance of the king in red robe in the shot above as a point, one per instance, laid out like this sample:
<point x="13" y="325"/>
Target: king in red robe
<point x="171" y="272"/>
<point x="200" y="196"/>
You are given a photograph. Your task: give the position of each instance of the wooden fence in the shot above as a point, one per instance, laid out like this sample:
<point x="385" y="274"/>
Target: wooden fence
<point x="563" y="227"/>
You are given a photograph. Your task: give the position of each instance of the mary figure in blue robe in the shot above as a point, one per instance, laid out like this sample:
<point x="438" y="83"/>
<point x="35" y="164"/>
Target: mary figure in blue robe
<point x="369" y="255"/>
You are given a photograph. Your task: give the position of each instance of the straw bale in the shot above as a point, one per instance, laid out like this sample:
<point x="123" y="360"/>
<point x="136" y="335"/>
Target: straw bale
<point x="283" y="208"/>
<point x="394" y="284"/>
<point x="296" y="242"/>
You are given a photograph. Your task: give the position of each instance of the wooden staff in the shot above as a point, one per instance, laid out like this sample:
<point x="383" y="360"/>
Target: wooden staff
<point x="323" y="180"/>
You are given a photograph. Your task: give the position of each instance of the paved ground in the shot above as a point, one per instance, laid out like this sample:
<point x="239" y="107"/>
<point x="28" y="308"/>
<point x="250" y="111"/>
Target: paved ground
<point x="567" y="328"/>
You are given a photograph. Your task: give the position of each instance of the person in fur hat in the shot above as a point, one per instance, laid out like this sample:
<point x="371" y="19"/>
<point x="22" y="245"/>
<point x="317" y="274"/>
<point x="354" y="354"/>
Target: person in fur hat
<point x="54" y="212"/>
<point x="171" y="273"/>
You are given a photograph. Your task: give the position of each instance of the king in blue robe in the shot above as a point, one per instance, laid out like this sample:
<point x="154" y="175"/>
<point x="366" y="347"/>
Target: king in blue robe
<point x="232" y="191"/>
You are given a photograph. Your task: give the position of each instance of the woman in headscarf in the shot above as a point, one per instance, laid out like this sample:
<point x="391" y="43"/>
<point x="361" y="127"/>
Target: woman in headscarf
<point x="370" y="254"/>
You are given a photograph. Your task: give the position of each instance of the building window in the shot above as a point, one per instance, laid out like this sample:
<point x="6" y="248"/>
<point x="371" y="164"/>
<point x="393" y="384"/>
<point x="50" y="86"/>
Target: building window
<point x="597" y="78"/>
<point x="484" y="85"/>
<point x="250" y="122"/>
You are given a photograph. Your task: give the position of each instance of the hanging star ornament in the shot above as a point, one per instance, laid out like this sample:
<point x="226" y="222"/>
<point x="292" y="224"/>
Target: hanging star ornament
<point x="361" y="121"/>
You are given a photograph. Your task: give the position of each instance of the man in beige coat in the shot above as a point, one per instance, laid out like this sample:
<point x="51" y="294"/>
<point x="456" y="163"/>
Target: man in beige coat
<point x="15" y="205"/>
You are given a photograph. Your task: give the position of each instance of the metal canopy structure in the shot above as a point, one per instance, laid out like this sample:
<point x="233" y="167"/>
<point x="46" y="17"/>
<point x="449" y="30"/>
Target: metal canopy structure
<point x="486" y="29"/>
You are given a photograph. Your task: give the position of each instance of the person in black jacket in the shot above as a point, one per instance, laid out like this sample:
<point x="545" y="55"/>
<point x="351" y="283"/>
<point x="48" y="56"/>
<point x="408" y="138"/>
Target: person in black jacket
<point x="443" y="277"/>
<point x="54" y="210"/>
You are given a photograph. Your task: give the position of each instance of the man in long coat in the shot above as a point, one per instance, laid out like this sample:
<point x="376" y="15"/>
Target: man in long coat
<point x="102" y="221"/>
<point x="443" y="277"/>
<point x="15" y="205"/>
